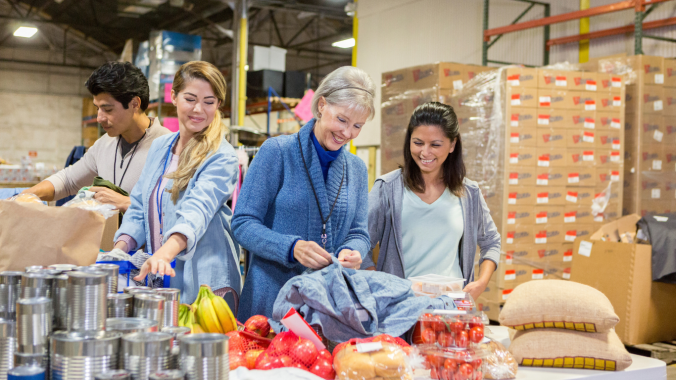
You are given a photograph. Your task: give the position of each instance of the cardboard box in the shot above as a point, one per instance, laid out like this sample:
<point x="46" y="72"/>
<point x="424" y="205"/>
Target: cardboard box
<point x="550" y="195"/>
<point x="522" y="176"/>
<point x="537" y="255"/>
<point x="580" y="195"/>
<point x="509" y="276"/>
<point x="647" y="69"/>
<point x="521" y="97"/>
<point x="650" y="129"/>
<point x="579" y="157"/>
<point x="669" y="130"/>
<point x="584" y="139"/>
<point x="521" y="196"/>
<point x="670" y="101"/>
<point x="556" y="99"/>
<point x="652" y="157"/>
<point x="652" y="189"/>
<point x="554" y="79"/>
<point x="551" y="138"/>
<point x="578" y="231"/>
<point x="584" y="176"/>
<point x="516" y="235"/>
<point x="550" y="157"/>
<point x="549" y="233"/>
<point x="609" y="120"/>
<point x="521" y="77"/>
<point x="489" y="307"/>
<point x="669" y="72"/>
<point x="547" y="214"/>
<point x="582" y="120"/>
<point x="646" y="308"/>
<point x="551" y="118"/>
<point x="576" y="213"/>
<point x="522" y="137"/>
<point x="608" y="139"/>
<point x="583" y="81"/>
<point x="520" y="117"/>
<point x="661" y="206"/>
<point x="609" y="82"/>
<point x="520" y="215"/>
<point x="645" y="99"/>
<point x="520" y="156"/>
<point x="609" y="101"/>
<point x="605" y="176"/>
<point x="551" y="176"/>
<point x="608" y="158"/>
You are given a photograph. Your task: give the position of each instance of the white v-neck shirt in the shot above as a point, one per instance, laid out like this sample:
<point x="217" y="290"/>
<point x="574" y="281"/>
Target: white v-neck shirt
<point x="431" y="235"/>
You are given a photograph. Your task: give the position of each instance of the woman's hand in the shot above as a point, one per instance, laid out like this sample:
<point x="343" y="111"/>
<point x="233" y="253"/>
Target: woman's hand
<point x="160" y="262"/>
<point x="475" y="288"/>
<point x="349" y="258"/>
<point x="311" y="255"/>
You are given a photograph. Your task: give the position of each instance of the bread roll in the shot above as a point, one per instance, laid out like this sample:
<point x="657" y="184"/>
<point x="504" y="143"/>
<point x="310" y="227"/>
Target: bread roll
<point x="390" y="361"/>
<point x="350" y="364"/>
<point x="27" y="198"/>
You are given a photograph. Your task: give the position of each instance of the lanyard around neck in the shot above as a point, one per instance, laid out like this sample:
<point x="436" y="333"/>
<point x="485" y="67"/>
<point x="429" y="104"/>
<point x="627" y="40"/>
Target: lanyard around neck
<point x="321" y="215"/>
<point x="160" y="192"/>
<point x="119" y="141"/>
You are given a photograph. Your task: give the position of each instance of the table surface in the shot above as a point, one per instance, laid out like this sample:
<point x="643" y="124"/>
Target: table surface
<point x="642" y="368"/>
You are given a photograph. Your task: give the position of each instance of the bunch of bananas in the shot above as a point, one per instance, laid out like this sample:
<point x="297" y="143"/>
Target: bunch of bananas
<point x="209" y="313"/>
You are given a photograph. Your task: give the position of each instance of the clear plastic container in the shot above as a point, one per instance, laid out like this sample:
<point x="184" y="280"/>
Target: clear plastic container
<point x="455" y="329"/>
<point x="453" y="364"/>
<point x="434" y="285"/>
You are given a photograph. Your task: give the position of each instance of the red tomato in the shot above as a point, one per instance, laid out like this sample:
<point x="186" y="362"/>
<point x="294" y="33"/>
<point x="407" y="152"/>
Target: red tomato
<point x="476" y="321"/>
<point x="305" y="352"/>
<point x="429" y="336"/>
<point x="283" y="342"/>
<point x="426" y="320"/>
<point x="436" y="360"/>
<point x="237" y="359"/>
<point x="434" y="374"/>
<point x="465" y="372"/>
<point x="325" y="354"/>
<point x="476" y="334"/>
<point x="323" y="368"/>
<point x="445" y="374"/>
<point x="438" y="323"/>
<point x="462" y="339"/>
<point x="457" y="327"/>
<point x="445" y="339"/>
<point x="476" y="364"/>
<point x="451" y="365"/>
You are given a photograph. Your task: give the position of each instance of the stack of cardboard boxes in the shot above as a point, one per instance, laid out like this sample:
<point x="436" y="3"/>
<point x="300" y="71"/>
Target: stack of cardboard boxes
<point x="650" y="158"/>
<point x="403" y="90"/>
<point x="90" y="128"/>
<point x="561" y="153"/>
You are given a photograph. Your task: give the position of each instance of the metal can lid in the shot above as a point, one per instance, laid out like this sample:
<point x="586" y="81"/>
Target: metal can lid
<point x="87" y="278"/>
<point x="63" y="267"/>
<point x="169" y="294"/>
<point x="169" y="374"/>
<point x="26" y="372"/>
<point x="119" y="296"/>
<point x="71" y="344"/>
<point x="203" y="345"/>
<point x="108" y="268"/>
<point x="132" y="288"/>
<point x="33" y="305"/>
<point x="9" y="277"/>
<point x="114" y="374"/>
<point x="131" y="324"/>
<point x="149" y="300"/>
<point x="176" y="330"/>
<point x="33" y="268"/>
<point x="147" y="344"/>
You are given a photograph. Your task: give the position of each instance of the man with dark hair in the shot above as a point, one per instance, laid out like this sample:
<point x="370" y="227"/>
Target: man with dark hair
<point x="121" y="95"/>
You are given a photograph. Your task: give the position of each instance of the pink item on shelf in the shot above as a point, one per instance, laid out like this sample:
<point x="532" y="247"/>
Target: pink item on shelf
<point x="304" y="109"/>
<point x="167" y="92"/>
<point x="171" y="123"/>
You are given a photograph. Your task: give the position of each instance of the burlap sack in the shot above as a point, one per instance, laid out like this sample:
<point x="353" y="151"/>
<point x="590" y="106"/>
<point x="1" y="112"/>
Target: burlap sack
<point x="570" y="349"/>
<point x="558" y="304"/>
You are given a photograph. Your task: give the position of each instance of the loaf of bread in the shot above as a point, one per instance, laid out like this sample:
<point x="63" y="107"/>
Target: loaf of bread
<point x="386" y="363"/>
<point x="499" y="364"/>
<point x="27" y="198"/>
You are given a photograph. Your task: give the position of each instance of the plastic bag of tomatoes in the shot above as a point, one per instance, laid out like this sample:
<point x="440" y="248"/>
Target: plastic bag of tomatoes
<point x="380" y="357"/>
<point x="449" y="329"/>
<point x="453" y="364"/>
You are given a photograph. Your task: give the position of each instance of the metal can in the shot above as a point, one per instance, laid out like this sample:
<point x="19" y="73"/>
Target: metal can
<point x="131" y="325"/>
<point x="172" y="299"/>
<point x="60" y="302"/>
<point x="26" y="372"/>
<point x="33" y="324"/>
<point x="120" y="305"/>
<point x="87" y="303"/>
<point x="150" y="306"/>
<point x="176" y="332"/>
<point x="7" y="347"/>
<point x="79" y="358"/>
<point x="36" y="284"/>
<point x="40" y="360"/>
<point x="114" y="374"/>
<point x="63" y="267"/>
<point x="145" y="353"/>
<point x="205" y="356"/>
<point x="112" y="271"/>
<point x="34" y="268"/>
<point x="131" y="289"/>
<point x="170" y="374"/>
<point x="10" y="289"/>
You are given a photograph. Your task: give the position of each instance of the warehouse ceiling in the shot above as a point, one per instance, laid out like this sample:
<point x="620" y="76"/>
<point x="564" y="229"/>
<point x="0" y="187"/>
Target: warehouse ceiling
<point x="86" y="33"/>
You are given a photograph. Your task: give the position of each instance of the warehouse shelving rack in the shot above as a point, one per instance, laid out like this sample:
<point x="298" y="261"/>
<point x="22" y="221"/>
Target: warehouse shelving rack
<point x="642" y="9"/>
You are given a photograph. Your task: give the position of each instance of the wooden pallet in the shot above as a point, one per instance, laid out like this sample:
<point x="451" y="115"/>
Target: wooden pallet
<point x="665" y="351"/>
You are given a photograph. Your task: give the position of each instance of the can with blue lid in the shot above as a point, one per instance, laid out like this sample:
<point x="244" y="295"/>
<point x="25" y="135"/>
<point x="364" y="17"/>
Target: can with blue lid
<point x="26" y="372"/>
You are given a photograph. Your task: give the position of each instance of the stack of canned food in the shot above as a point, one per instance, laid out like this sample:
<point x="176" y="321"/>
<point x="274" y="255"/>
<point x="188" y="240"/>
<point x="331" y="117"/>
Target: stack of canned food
<point x="66" y="322"/>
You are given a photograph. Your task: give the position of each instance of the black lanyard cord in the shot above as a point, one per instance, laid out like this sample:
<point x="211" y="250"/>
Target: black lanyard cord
<point x="321" y="215"/>
<point x="119" y="140"/>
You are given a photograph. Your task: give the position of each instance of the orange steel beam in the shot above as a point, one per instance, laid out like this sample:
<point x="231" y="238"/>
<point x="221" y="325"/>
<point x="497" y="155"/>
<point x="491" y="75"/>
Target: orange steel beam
<point x="620" y="6"/>
<point x="610" y="32"/>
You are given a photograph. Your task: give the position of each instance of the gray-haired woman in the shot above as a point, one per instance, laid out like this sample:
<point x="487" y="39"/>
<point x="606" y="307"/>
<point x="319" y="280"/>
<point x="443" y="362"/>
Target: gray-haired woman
<point x="305" y="199"/>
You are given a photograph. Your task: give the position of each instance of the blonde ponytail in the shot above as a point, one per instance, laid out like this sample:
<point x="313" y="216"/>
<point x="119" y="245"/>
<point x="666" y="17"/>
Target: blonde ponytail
<point x="206" y="142"/>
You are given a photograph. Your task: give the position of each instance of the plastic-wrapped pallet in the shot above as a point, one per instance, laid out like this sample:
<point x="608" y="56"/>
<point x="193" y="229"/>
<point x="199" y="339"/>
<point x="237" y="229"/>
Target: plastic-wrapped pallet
<point x="167" y="51"/>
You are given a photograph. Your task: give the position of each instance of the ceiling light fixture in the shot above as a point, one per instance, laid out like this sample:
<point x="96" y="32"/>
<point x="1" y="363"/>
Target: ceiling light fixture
<point x="348" y="43"/>
<point x="25" y="31"/>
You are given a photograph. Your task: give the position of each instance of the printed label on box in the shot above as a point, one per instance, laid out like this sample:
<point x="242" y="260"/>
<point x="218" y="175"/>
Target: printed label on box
<point x="588" y="137"/>
<point x="569" y="217"/>
<point x="615" y="123"/>
<point x="511" y="199"/>
<point x="514" y="158"/>
<point x="571" y="235"/>
<point x="509" y="257"/>
<point x="566" y="274"/>
<point x="538" y="274"/>
<point x="543" y="119"/>
<point x="588" y="156"/>
<point x="616" y="144"/>
<point x="658" y="135"/>
<point x="590" y="86"/>
<point x="513" y="80"/>
<point x="511" y="218"/>
<point x="617" y="101"/>
<point x="514" y="138"/>
<point x="545" y="101"/>
<point x="568" y="255"/>
<point x="505" y="294"/>
<point x="543" y="179"/>
<point x="659" y="78"/>
<point x="561" y="81"/>
<point x="655" y="193"/>
<point x="543" y="198"/>
<point x="510" y="238"/>
<point x="513" y="178"/>
<point x="589" y="123"/>
<point x="615" y="156"/>
<point x="615" y="176"/>
<point x="515" y="120"/>
<point x="510" y="274"/>
<point x="590" y="105"/>
<point x="541" y="218"/>
<point x="616" y="82"/>
<point x="541" y="237"/>
<point x="599" y="217"/>
<point x="543" y="161"/>
<point x="573" y="177"/>
<point x="657" y="164"/>
<point x="657" y="106"/>
<point x="571" y="196"/>
<point x="457" y="84"/>
<point x="585" y="248"/>
<point x="516" y="99"/>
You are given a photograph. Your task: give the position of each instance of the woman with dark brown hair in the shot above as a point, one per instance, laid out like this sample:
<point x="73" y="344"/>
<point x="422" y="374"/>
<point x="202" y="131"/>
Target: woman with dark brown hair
<point x="427" y="217"/>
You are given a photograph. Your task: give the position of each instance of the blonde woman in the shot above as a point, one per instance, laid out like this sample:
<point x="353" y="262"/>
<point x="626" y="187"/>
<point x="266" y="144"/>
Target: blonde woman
<point x="178" y="208"/>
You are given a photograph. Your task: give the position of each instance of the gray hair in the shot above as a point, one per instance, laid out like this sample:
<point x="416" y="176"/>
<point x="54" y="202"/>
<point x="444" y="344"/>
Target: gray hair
<point x="346" y="86"/>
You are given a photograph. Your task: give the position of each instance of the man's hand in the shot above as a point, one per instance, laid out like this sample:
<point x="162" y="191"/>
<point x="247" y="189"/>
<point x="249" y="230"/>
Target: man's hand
<point x="107" y="196"/>
<point x="475" y="288"/>
<point x="349" y="258"/>
<point x="311" y="255"/>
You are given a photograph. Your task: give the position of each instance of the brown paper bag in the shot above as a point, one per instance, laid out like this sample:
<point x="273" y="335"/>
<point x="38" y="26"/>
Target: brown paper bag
<point x="33" y="234"/>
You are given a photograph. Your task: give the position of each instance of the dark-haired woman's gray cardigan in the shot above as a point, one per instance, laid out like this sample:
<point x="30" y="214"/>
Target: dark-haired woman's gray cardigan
<point x="385" y="204"/>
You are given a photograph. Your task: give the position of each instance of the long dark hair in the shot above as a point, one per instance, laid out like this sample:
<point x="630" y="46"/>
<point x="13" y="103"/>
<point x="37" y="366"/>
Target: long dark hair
<point x="453" y="169"/>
